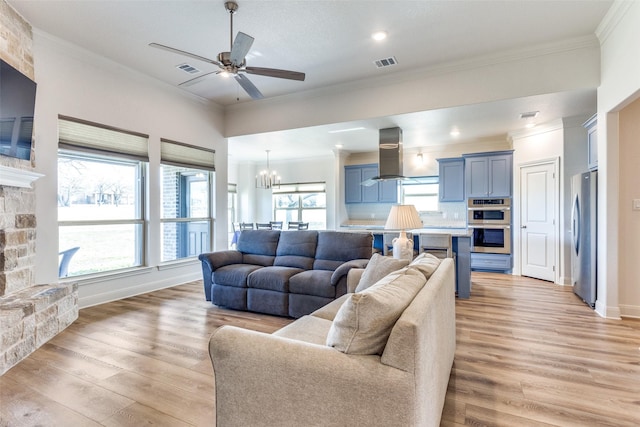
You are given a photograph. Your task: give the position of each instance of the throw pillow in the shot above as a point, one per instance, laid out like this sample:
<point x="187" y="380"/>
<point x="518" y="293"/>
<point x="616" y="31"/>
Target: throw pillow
<point x="364" y="322"/>
<point x="426" y="264"/>
<point x="378" y="267"/>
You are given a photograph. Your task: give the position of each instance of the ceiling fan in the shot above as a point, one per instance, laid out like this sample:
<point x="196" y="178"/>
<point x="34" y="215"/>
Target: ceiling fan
<point x="233" y="62"/>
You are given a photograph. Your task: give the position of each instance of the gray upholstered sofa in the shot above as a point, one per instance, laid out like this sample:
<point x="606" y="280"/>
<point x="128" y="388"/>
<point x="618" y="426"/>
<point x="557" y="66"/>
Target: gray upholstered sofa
<point x="285" y="273"/>
<point x="378" y="357"/>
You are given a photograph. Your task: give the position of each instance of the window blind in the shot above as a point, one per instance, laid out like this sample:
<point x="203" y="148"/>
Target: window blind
<point x="300" y="187"/>
<point x="80" y="135"/>
<point x="184" y="155"/>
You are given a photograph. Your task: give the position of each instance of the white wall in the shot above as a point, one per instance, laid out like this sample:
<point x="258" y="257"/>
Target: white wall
<point x="255" y="205"/>
<point x="629" y="296"/>
<point x="619" y="35"/>
<point x="563" y="140"/>
<point x="76" y="83"/>
<point x="543" y="143"/>
<point x="505" y="75"/>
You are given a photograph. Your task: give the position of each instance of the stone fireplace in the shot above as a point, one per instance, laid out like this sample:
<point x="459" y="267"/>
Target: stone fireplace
<point x="30" y="314"/>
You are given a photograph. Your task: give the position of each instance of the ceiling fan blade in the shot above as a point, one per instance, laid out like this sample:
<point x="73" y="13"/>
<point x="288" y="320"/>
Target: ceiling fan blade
<point x="273" y="72"/>
<point x="249" y="87"/>
<point x="198" y="79"/>
<point x="240" y="48"/>
<point x="182" y="52"/>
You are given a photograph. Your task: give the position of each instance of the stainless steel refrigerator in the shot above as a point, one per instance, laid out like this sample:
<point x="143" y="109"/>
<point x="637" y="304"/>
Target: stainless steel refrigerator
<point x="584" y="236"/>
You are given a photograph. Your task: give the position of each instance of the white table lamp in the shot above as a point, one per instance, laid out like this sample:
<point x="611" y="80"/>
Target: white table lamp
<point x="403" y="217"/>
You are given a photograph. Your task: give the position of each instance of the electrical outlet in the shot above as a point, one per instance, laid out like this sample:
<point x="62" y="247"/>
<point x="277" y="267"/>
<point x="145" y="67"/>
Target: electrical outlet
<point x="636" y="204"/>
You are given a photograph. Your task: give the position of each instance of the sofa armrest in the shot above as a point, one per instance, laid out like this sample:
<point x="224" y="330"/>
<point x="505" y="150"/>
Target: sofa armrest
<point x="353" y="278"/>
<point x="266" y="380"/>
<point x="219" y="259"/>
<point x="344" y="268"/>
<point x="213" y="260"/>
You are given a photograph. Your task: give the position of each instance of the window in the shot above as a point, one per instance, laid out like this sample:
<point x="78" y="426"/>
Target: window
<point x="421" y="192"/>
<point x="100" y="196"/>
<point x="186" y="200"/>
<point x="304" y="202"/>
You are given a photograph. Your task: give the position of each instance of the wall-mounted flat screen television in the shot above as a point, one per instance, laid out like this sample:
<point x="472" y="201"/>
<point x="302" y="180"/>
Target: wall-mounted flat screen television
<point x="17" y="103"/>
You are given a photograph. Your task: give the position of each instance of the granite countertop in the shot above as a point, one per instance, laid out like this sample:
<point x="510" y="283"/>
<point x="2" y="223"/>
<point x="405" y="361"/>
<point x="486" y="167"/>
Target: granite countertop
<point x="454" y="231"/>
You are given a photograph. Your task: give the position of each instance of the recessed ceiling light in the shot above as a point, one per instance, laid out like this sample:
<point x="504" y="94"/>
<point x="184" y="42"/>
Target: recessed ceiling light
<point x="530" y="125"/>
<point x="338" y="146"/>
<point x="454" y="132"/>
<point x="379" y="35"/>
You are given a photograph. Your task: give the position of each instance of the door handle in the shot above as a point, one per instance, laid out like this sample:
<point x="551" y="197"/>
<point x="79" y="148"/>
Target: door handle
<point x="523" y="226"/>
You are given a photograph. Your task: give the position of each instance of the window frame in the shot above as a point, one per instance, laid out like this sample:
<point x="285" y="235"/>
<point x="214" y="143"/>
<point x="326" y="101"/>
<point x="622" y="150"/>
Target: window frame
<point x="181" y="163"/>
<point x="300" y="189"/>
<point x="139" y="221"/>
<point x="422" y="180"/>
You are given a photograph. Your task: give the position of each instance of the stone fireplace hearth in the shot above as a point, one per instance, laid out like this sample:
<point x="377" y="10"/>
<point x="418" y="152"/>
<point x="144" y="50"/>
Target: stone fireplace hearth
<point x="30" y="314"/>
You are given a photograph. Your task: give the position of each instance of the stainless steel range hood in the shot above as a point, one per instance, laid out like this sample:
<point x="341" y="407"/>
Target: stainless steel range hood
<point x="390" y="156"/>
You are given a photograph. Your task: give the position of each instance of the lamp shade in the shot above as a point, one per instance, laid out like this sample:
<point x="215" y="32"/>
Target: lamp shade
<point x="403" y="217"/>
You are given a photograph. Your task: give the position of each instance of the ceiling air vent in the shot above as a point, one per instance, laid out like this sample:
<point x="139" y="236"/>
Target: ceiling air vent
<point x="188" y="68"/>
<point x="386" y="62"/>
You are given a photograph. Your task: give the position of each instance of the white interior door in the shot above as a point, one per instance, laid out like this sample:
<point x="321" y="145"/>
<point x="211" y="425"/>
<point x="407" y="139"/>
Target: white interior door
<point x="538" y="221"/>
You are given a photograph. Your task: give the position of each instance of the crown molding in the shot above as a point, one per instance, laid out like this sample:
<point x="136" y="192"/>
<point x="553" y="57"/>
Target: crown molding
<point x="612" y="18"/>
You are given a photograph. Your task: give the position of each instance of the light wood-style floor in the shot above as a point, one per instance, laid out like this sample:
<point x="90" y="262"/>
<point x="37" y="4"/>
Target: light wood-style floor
<point x="529" y="354"/>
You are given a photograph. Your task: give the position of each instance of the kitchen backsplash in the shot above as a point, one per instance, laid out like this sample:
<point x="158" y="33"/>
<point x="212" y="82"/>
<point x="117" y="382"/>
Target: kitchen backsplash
<point x="451" y="214"/>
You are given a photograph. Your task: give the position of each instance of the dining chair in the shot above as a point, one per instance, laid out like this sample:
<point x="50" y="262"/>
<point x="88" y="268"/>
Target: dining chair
<point x="303" y="226"/>
<point x="276" y="225"/>
<point x="263" y="226"/>
<point x="246" y="226"/>
<point x="293" y="225"/>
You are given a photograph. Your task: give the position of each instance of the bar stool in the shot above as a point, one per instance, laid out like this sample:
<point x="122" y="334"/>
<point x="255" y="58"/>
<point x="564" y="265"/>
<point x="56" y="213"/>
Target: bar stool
<point x="439" y="245"/>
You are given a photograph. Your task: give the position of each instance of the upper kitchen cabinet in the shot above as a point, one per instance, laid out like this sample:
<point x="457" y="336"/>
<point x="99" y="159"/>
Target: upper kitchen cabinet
<point x="380" y="192"/>
<point x="592" y="142"/>
<point x="451" y="179"/>
<point x="488" y="174"/>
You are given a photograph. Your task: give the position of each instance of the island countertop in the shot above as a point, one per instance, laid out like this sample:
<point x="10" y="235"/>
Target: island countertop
<point x="377" y="229"/>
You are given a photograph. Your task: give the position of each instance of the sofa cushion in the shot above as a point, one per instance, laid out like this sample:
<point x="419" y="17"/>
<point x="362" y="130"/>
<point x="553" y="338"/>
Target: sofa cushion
<point x="272" y="278"/>
<point x="309" y="329"/>
<point x="313" y="282"/>
<point x="258" y="246"/>
<point x="364" y="322"/>
<point x="234" y="274"/>
<point x="336" y="247"/>
<point x="330" y="310"/>
<point x="426" y="264"/>
<point x="378" y="267"/>
<point x="296" y="249"/>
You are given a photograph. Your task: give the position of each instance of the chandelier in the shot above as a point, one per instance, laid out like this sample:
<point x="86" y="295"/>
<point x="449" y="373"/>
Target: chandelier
<point x="267" y="178"/>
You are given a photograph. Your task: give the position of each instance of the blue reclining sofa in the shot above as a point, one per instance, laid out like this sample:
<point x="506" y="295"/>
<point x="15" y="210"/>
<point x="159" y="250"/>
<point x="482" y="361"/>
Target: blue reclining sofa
<point x="285" y="273"/>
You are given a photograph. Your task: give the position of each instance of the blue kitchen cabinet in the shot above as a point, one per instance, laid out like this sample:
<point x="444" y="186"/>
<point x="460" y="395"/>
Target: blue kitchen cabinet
<point x="380" y="192"/>
<point x="488" y="174"/>
<point x="451" y="179"/>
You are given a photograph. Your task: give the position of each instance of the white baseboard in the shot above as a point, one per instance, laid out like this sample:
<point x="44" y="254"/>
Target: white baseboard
<point x="630" y="311"/>
<point x="607" y="312"/>
<point x="95" y="298"/>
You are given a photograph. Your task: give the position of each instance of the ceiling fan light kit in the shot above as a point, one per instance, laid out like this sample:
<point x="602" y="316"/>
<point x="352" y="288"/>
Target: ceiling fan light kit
<point x="234" y="61"/>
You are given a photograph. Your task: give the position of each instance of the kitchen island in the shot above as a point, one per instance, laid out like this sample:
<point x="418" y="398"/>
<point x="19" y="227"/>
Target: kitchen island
<point x="461" y="246"/>
<point x="460" y="242"/>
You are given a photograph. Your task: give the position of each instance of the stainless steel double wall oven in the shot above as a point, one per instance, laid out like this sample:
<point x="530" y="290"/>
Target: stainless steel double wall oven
<point x="490" y="219"/>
